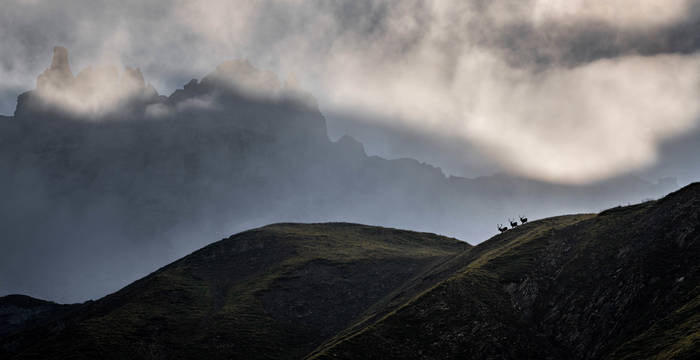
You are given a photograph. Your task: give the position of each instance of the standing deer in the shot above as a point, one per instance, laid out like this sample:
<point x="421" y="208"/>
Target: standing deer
<point x="513" y="223"/>
<point x="502" y="228"/>
<point x="523" y="219"/>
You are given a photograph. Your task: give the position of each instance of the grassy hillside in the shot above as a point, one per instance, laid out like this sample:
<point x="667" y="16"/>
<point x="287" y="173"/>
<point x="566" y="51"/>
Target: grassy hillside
<point x="620" y="284"/>
<point x="19" y="312"/>
<point x="273" y="292"/>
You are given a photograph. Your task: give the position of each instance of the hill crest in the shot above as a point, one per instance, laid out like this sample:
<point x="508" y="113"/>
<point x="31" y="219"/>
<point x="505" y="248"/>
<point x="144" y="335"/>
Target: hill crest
<point x="620" y="284"/>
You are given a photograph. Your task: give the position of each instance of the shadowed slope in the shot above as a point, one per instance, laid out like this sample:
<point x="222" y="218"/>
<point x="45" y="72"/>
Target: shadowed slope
<point x="622" y="284"/>
<point x="273" y="292"/>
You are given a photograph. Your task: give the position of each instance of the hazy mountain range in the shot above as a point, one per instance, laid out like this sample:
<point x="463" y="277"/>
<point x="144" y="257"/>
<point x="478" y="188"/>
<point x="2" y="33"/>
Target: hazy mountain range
<point x="96" y="196"/>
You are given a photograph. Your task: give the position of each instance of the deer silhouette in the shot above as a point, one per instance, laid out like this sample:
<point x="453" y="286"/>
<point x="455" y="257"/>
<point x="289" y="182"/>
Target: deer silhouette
<point x="523" y="219"/>
<point x="502" y="228"/>
<point x="513" y="223"/>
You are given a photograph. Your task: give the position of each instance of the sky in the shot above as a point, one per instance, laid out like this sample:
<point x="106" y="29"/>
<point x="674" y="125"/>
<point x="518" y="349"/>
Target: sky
<point x="571" y="91"/>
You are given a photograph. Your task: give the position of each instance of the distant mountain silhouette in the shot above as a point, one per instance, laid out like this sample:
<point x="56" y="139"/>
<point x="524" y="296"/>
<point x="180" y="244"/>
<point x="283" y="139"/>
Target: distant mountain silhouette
<point x="621" y="284"/>
<point x="101" y="177"/>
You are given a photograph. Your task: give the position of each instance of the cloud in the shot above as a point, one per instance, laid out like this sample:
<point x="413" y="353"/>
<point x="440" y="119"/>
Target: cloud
<point x="628" y="13"/>
<point x="589" y="122"/>
<point x="93" y="92"/>
<point x="571" y="125"/>
<point x="567" y="91"/>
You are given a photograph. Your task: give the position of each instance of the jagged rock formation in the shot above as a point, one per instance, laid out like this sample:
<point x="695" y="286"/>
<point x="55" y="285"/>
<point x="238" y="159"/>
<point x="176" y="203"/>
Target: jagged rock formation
<point x="59" y="75"/>
<point x="92" y="93"/>
<point x="622" y="284"/>
<point x="111" y="169"/>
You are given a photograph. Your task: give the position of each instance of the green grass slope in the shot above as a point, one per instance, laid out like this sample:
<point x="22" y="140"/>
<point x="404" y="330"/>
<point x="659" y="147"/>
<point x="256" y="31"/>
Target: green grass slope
<point x="273" y="292"/>
<point x="622" y="284"/>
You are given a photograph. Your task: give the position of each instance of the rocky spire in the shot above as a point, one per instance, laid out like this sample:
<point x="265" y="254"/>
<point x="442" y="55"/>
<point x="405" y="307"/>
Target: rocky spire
<point x="60" y="59"/>
<point x="59" y="74"/>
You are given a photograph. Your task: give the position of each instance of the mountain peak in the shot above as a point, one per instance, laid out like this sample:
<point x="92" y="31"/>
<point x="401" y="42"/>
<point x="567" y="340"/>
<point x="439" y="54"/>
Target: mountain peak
<point x="60" y="59"/>
<point x="59" y="74"/>
<point x="93" y="91"/>
<point x="242" y="76"/>
<point x="352" y="143"/>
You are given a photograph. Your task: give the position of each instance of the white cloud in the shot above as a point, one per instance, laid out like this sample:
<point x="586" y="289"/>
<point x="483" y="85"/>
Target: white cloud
<point x="589" y="122"/>
<point x="632" y="13"/>
<point x="420" y="63"/>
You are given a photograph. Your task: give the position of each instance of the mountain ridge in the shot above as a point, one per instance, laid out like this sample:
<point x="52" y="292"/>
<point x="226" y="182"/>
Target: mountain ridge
<point x="285" y="252"/>
<point x="615" y="312"/>
<point x="620" y="284"/>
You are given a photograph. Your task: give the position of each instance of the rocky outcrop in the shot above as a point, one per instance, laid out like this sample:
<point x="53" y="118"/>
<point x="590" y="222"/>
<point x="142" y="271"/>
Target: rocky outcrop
<point x="95" y="92"/>
<point x="59" y="75"/>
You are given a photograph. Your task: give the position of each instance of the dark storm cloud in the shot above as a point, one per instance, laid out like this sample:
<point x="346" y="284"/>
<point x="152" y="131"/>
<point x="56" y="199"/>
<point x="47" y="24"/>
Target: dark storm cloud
<point x="556" y="44"/>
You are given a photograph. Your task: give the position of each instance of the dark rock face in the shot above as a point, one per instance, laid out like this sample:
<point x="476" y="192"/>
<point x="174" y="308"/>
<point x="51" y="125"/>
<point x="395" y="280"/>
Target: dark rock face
<point x="59" y="62"/>
<point x="59" y="75"/>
